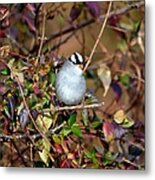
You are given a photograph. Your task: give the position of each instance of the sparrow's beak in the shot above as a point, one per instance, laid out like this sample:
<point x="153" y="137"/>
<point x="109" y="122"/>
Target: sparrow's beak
<point x="81" y="66"/>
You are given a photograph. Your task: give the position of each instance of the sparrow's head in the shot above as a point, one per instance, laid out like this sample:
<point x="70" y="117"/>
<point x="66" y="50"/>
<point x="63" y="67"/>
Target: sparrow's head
<point x="76" y="59"/>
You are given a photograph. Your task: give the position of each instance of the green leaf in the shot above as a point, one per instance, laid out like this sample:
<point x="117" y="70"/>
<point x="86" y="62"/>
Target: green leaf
<point x="28" y="86"/>
<point x="4" y="71"/>
<point x="6" y="110"/>
<point x="76" y="130"/>
<point x="72" y="119"/>
<point x="45" y="102"/>
<point x="125" y="79"/>
<point x="95" y="124"/>
<point x="84" y="115"/>
<point x="60" y="20"/>
<point x="32" y="102"/>
<point x="128" y="122"/>
<point x="136" y="26"/>
<point x="89" y="154"/>
<point x="65" y="131"/>
<point x="52" y="77"/>
<point x="108" y="158"/>
<point x="56" y="139"/>
<point x="122" y="45"/>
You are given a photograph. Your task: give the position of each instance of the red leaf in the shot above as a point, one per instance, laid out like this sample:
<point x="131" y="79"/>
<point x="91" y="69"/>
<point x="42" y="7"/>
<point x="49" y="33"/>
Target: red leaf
<point x="36" y="89"/>
<point x="108" y="131"/>
<point x="58" y="148"/>
<point x="111" y="130"/>
<point x="2" y="33"/>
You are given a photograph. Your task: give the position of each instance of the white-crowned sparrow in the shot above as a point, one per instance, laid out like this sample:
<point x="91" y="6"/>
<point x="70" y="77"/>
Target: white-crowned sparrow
<point x="70" y="83"/>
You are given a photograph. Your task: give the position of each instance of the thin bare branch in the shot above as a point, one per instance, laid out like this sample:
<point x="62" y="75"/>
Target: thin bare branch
<point x="99" y="37"/>
<point x="81" y="106"/>
<point x="62" y="41"/>
<point x="42" y="37"/>
<point x="131" y="163"/>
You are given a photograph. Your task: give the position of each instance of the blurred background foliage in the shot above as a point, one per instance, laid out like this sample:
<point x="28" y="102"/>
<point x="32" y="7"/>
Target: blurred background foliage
<point x="35" y="39"/>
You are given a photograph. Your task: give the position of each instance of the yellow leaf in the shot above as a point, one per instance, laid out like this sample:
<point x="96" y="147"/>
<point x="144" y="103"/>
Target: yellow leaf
<point x="44" y="156"/>
<point x="119" y="116"/>
<point x="104" y="74"/>
<point x="56" y="139"/>
<point x="44" y="122"/>
<point x="45" y="153"/>
<point x="20" y="76"/>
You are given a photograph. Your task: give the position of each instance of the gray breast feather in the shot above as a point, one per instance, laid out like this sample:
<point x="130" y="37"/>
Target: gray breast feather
<point x="70" y="85"/>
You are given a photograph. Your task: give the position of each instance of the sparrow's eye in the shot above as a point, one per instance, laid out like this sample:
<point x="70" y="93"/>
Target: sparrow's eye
<point x="76" y="58"/>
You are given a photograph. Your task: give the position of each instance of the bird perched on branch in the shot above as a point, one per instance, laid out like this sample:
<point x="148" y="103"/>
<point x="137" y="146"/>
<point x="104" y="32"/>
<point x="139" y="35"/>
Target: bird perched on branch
<point x="70" y="82"/>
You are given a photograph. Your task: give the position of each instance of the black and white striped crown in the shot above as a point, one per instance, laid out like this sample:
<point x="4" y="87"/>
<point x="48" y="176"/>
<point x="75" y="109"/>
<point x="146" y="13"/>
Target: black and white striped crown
<point x="76" y="58"/>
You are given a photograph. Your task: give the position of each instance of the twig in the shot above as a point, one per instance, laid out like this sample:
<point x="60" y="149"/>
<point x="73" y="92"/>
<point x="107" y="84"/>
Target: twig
<point x="140" y="42"/>
<point x="119" y="29"/>
<point x="99" y="36"/>
<point x="81" y="106"/>
<point x="92" y="20"/>
<point x="6" y="13"/>
<point x="42" y="37"/>
<point x="5" y="137"/>
<point x="29" y="113"/>
<point x="131" y="163"/>
<point x="62" y="42"/>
